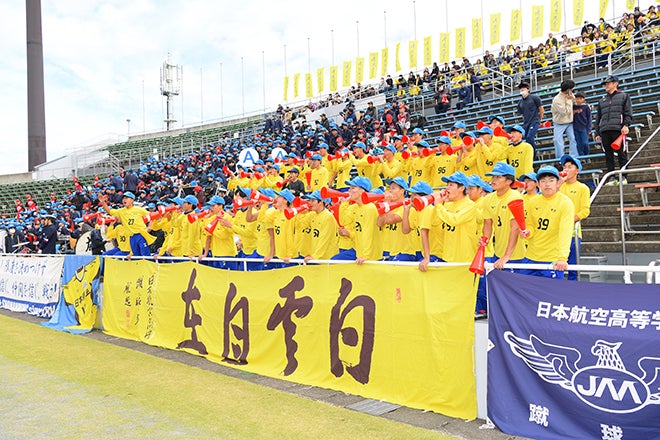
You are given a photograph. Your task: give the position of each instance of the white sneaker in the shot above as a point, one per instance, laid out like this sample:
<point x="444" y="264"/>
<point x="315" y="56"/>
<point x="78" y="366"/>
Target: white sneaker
<point x="612" y="182"/>
<point x="624" y="181"/>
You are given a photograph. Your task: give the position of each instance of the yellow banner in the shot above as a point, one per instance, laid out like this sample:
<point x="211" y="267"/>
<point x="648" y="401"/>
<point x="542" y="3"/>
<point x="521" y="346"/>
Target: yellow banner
<point x="537" y="21"/>
<point x="516" y="23"/>
<point x="334" y="73"/>
<point x="555" y="15"/>
<point x="460" y="42"/>
<point x="495" y="22"/>
<point x="296" y="84"/>
<point x="630" y="4"/>
<point x="477" y="33"/>
<point x="359" y="69"/>
<point x="397" y="64"/>
<point x="320" y="76"/>
<point x="428" y="51"/>
<point x="603" y="7"/>
<point x="384" y="54"/>
<point x="578" y="12"/>
<point x="444" y="47"/>
<point x="308" y="86"/>
<point x="380" y="332"/>
<point x="412" y="53"/>
<point x="286" y="88"/>
<point x="373" y="65"/>
<point x="346" y="74"/>
<point x="79" y="293"/>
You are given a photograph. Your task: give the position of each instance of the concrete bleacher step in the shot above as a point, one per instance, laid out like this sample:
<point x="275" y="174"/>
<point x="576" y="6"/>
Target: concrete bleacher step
<point x="615" y="247"/>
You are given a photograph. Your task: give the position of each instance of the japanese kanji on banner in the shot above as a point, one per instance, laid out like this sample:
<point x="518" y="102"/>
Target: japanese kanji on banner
<point x="573" y="360"/>
<point x="393" y="335"/>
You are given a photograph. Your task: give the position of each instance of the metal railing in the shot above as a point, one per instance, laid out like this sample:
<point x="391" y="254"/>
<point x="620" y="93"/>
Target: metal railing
<point x="620" y="174"/>
<point x="651" y="273"/>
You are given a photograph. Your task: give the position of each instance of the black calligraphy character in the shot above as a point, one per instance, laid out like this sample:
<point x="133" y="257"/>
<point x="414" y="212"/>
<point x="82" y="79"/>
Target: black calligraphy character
<point x="349" y="335"/>
<point x="282" y="315"/>
<point x="240" y="332"/>
<point x="192" y="319"/>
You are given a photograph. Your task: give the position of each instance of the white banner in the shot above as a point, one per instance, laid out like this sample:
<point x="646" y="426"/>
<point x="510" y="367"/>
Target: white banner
<point x="30" y="284"/>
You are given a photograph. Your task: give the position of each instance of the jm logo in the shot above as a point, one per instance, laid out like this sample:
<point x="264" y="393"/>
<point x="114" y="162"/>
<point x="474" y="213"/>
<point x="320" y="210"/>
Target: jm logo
<point x="607" y="385"/>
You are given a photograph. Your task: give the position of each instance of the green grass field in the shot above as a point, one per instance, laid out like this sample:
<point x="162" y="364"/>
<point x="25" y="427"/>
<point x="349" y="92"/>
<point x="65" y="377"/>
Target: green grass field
<point x="60" y="386"/>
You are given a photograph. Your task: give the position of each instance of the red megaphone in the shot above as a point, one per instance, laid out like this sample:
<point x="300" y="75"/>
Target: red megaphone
<point x="258" y="175"/>
<point x="372" y="159"/>
<point x="289" y="213"/>
<point x="300" y="203"/>
<point x="308" y="154"/>
<point x="405" y="139"/>
<point x="258" y="197"/>
<point x="408" y="154"/>
<point x="563" y="174"/>
<point x="328" y="193"/>
<point x="308" y="178"/>
<point x="499" y="131"/>
<point x="100" y="220"/>
<point x="298" y="161"/>
<point x="210" y="227"/>
<point x="243" y="175"/>
<point x="481" y="124"/>
<point x="193" y="216"/>
<point x="368" y="197"/>
<point x="335" y="212"/>
<point x="385" y="207"/>
<point x="477" y="266"/>
<point x="546" y="124"/>
<point x="451" y="150"/>
<point x="281" y="183"/>
<point x="618" y="142"/>
<point x="241" y="203"/>
<point x="468" y="140"/>
<point x="226" y="170"/>
<point x="331" y="157"/>
<point x="422" y="202"/>
<point x="152" y="216"/>
<point x="91" y="216"/>
<point x="426" y="152"/>
<point x="517" y="208"/>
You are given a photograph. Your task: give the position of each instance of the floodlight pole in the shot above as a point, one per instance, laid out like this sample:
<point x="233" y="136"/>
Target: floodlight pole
<point x="35" y="85"/>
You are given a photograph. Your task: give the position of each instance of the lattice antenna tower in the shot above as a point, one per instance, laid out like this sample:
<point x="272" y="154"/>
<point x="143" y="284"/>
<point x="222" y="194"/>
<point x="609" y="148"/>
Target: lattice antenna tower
<point x="170" y="86"/>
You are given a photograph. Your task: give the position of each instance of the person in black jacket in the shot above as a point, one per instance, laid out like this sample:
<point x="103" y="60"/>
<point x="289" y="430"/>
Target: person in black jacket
<point x="613" y="117"/>
<point x="48" y="236"/>
<point x="296" y="186"/>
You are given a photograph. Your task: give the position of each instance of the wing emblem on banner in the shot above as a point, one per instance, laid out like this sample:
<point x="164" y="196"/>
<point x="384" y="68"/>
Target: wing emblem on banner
<point x="606" y="385"/>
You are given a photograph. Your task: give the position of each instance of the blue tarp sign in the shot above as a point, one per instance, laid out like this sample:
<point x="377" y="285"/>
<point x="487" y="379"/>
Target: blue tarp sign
<point x="571" y="360"/>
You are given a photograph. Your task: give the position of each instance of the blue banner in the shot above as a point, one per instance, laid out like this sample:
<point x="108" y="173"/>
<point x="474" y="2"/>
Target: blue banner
<point x="77" y="307"/>
<point x="573" y="360"/>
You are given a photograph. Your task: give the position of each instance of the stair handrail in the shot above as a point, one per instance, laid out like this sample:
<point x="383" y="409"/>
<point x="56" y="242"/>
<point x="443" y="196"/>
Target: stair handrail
<point x="650" y="274"/>
<point x="620" y="173"/>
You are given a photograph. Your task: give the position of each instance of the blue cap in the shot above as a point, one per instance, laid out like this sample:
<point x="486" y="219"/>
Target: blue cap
<point x="276" y="166"/>
<point x="421" y="187"/>
<point x="498" y="118"/>
<point x="288" y="195"/>
<point x="292" y="155"/>
<point x="502" y="169"/>
<point x="547" y="169"/>
<point x="467" y="133"/>
<point x="611" y="78"/>
<point x="457" y="177"/>
<point x="245" y="191"/>
<point x="531" y="175"/>
<point x="294" y="170"/>
<point x="460" y="124"/>
<point x="128" y="194"/>
<point x="475" y="180"/>
<point x="216" y="200"/>
<point x="177" y="200"/>
<point x="316" y="157"/>
<point x="191" y="199"/>
<point x="390" y="147"/>
<point x="568" y="158"/>
<point x="401" y="182"/>
<point x="268" y="192"/>
<point x="423" y="144"/>
<point x="518" y="128"/>
<point x="444" y="140"/>
<point x="418" y="131"/>
<point x="190" y="170"/>
<point x="323" y="145"/>
<point x="360" y="145"/>
<point x="484" y="130"/>
<point x="360" y="181"/>
<point x="314" y="195"/>
<point x="151" y="205"/>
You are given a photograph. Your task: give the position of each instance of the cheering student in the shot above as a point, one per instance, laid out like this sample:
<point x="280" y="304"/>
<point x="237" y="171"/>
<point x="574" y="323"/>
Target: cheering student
<point x="219" y="241"/>
<point x="323" y="229"/>
<point x="131" y="217"/>
<point x="579" y="194"/>
<point x="397" y="245"/>
<point x="550" y="226"/>
<point x="499" y="224"/>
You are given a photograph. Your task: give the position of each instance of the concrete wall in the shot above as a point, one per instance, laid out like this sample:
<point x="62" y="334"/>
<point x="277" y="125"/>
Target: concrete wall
<point x="15" y="178"/>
